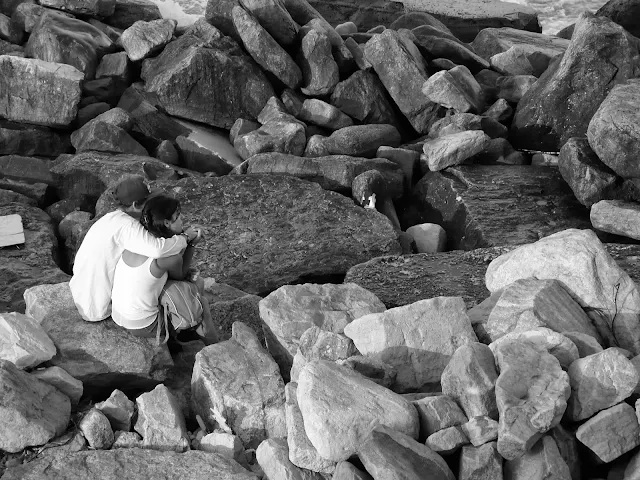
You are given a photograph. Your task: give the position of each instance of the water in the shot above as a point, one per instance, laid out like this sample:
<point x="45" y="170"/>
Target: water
<point x="553" y="14"/>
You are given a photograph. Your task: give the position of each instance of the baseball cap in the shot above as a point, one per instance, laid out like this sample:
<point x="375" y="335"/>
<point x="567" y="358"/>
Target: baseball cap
<point x="130" y="190"/>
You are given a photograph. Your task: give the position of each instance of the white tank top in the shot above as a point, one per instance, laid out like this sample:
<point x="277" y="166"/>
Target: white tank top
<point x="134" y="298"/>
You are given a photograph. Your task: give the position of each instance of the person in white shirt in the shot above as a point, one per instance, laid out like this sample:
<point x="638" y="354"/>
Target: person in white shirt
<point x="102" y="247"/>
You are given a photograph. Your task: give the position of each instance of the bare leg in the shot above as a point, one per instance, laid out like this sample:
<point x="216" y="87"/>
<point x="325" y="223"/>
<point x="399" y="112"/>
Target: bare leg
<point x="207" y="329"/>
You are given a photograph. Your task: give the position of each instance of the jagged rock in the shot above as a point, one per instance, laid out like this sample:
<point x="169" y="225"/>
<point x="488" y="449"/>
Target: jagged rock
<point x="50" y="40"/>
<point x="447" y="441"/>
<point x="586" y="344"/>
<point x="316" y="147"/>
<point x="589" y="178"/>
<point x="513" y="88"/>
<point x="578" y="260"/>
<point x="88" y="113"/>
<point x="599" y="381"/>
<point x="103" y="137"/>
<point x="32" y="412"/>
<point x="160" y="421"/>
<point x="455" y="89"/>
<point x="414" y="19"/>
<point x="480" y="462"/>
<point x="225" y="444"/>
<point x="10" y="30"/>
<point x="406" y="338"/>
<point x="279" y="136"/>
<point x="273" y="457"/>
<point x="406" y="159"/>
<point x="206" y="150"/>
<point x="17" y="139"/>
<point x="127" y="12"/>
<point x="616" y="216"/>
<point x="470" y="203"/>
<point x="144" y="39"/>
<point x="316" y="344"/>
<point x="453" y="149"/>
<point x="323" y="114"/>
<point x="362" y="140"/>
<point x="23" y="341"/>
<point x="470" y="379"/>
<point x="379" y="372"/>
<point x="611" y="432"/>
<point x="336" y="432"/>
<point x="500" y="111"/>
<point x="526" y="304"/>
<point x="542" y="461"/>
<point x="553" y="342"/>
<point x="531" y="394"/>
<point x="402" y="74"/>
<point x="301" y="452"/>
<point x="184" y="78"/>
<point x="133" y="463"/>
<point x="111" y="32"/>
<point x="60" y="379"/>
<point x="346" y="471"/>
<point x="429" y="237"/>
<point x="34" y="91"/>
<point x="27" y="15"/>
<point x="8" y="196"/>
<point x="330" y="307"/>
<point x="333" y="172"/>
<point x="218" y="14"/>
<point x="92" y="352"/>
<point x="493" y="41"/>
<point x="623" y="12"/>
<point x="387" y="453"/>
<point x="127" y="440"/>
<point x="240" y="381"/>
<point x="275" y="19"/>
<point x="438" y="413"/>
<point x="521" y="60"/>
<point x="27" y="169"/>
<point x="240" y="127"/>
<point x="98" y="8"/>
<point x="319" y="69"/>
<point x="118" y="409"/>
<point x="462" y="122"/>
<point x="480" y="430"/>
<point x="562" y="102"/>
<point x="264" y="49"/>
<point x="434" y="44"/>
<point x="117" y="117"/>
<point x="569" y="449"/>
<point x="117" y="66"/>
<point x="96" y="429"/>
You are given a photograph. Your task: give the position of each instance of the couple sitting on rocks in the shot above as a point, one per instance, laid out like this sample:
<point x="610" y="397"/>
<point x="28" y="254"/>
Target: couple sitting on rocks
<point x="133" y="264"/>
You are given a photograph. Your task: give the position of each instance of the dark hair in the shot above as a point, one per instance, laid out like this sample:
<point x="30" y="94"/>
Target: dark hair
<point x="156" y="210"/>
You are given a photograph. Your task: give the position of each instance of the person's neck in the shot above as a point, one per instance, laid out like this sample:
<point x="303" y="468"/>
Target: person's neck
<point x="133" y="213"/>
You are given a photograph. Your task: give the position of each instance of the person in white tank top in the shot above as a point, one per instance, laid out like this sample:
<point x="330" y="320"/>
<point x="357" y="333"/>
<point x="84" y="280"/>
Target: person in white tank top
<point x="138" y="280"/>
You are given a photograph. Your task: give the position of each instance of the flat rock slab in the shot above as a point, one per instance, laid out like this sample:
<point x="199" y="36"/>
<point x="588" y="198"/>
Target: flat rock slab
<point x="274" y="230"/>
<point x="616" y="216"/>
<point x="11" y="231"/>
<point x="133" y="464"/>
<point x="490" y="205"/>
<point x="492" y="41"/>
<point x="365" y="15"/>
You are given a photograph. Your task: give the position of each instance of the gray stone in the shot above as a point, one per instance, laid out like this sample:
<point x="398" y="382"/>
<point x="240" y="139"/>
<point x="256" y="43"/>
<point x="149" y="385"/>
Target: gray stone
<point x="553" y="342"/>
<point x="437" y="413"/>
<point x="17" y="139"/>
<point x="144" y="39"/>
<point x="462" y="122"/>
<point x="127" y="440"/>
<point x="433" y="43"/>
<point x="273" y="457"/>
<point x="480" y="430"/>
<point x="324" y="115"/>
<point x="492" y="41"/>
<point x="450" y="150"/>
<point x="362" y="140"/>
<point x="521" y="60"/>
<point x="586" y="344"/>
<point x="500" y="111"/>
<point x="569" y="449"/>
<point x="429" y="237"/>
<point x="281" y="136"/>
<point x="319" y="70"/>
<point x="542" y="461"/>
<point x="447" y="441"/>
<point x="480" y="462"/>
<point x="119" y="410"/>
<point x="275" y="19"/>
<point x="225" y="444"/>
<point x="346" y="471"/>
<point x="96" y="429"/>
<point x="23" y="341"/>
<point x="455" y="89"/>
<point x="379" y="372"/>
<point x="160" y="421"/>
<point x="64" y="382"/>
<point x="127" y="12"/>
<point x="616" y="216"/>
<point x="513" y="88"/>
<point x="104" y="137"/>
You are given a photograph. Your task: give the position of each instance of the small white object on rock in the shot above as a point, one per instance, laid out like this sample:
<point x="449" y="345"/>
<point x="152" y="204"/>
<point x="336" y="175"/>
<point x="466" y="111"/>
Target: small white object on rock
<point x="429" y="237"/>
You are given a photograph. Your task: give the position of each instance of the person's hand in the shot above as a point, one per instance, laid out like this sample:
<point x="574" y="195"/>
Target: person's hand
<point x="191" y="232"/>
<point x="200" y="234"/>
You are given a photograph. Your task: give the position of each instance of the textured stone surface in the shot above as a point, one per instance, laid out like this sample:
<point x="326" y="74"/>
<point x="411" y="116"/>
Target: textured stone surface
<point x="23" y="341"/>
<point x="453" y="149"/>
<point x="480" y="430"/>
<point x="273" y="457"/>
<point x="60" y="379"/>
<point x="492" y="41"/>
<point x="480" y="462"/>
<point x="97" y="430"/>
<point x="119" y="410"/>
<point x="18" y="139"/>
<point x="616" y="216"/>
<point x="323" y="114"/>
<point x="319" y="70"/>
<point x="160" y="421"/>
<point x="455" y="89"/>
<point x="447" y="441"/>
<point x="103" y="137"/>
<point x="553" y="342"/>
<point x="437" y="413"/>
<point x="542" y="461"/>
<point x="362" y="140"/>
<point x="281" y="136"/>
<point x="144" y="39"/>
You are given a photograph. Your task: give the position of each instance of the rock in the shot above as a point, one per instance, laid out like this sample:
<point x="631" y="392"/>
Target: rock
<point x="10" y="30"/>
<point x="241" y="127"/>
<point x="117" y="66"/>
<point x="319" y="69"/>
<point x="358" y="54"/>
<point x="26" y="169"/>
<point x="320" y="113"/>
<point x="362" y="140"/>
<point x="542" y="461"/>
<point x="455" y="89"/>
<point x="520" y="60"/>
<point x="362" y="16"/>
<point x="469" y="202"/>
<point x="346" y="471"/>
<point x="132" y="463"/>
<point x="184" y="79"/>
<point x="415" y="339"/>
<point x="405" y="158"/>
<point x="96" y="429"/>
<point x="273" y="457"/>
<point x="218" y="14"/>
<point x="301" y="452"/>
<point x="623" y="12"/>
<point x="526" y="304"/>
<point x="50" y="39"/>
<point x="616" y="216"/>
<point x="108" y="30"/>
<point x="470" y="379"/>
<point x="318" y="344"/>
<point x="23" y="341"/>
<point x="611" y="433"/>
<point x="118" y="409"/>
<point x="103" y="137"/>
<point x="206" y="150"/>
<point x="493" y="41"/>
<point x="599" y="381"/>
<point x="160" y="421"/>
<point x="127" y="440"/>
<point x="329" y="307"/>
<point x="60" y="379"/>
<point x="415" y="18"/>
<point x="381" y="373"/>
<point x="589" y="178"/>
<point x="514" y="88"/>
<point x="438" y="413"/>
<point x="92" y="352"/>
<point x="17" y="139"/>
<point x="429" y="237"/>
<point x="447" y="441"/>
<point x="552" y="112"/>
<point x="553" y="342"/>
<point x="240" y="381"/>
<point x="35" y="192"/>
<point x="88" y="113"/>
<point x="127" y="12"/>
<point x="225" y="444"/>
<point x="35" y="88"/>
<point x="333" y="172"/>
<point x="578" y="260"/>
<point x="480" y="430"/>
<point x="434" y="44"/>
<point x="586" y="344"/>
<point x="264" y="49"/>
<point x="480" y="463"/>
<point x="392" y="455"/>
<point x="402" y="74"/>
<point x="144" y="39"/>
<point x="288" y="249"/>
<point x="98" y="8"/>
<point x="117" y="117"/>
<point x="463" y="122"/>
<point x="500" y="111"/>
<point x="335" y="432"/>
<point x="531" y="394"/>
<point x="275" y="19"/>
<point x="280" y="136"/>
<point x="450" y="150"/>
<point x="32" y="413"/>
<point x="569" y="449"/>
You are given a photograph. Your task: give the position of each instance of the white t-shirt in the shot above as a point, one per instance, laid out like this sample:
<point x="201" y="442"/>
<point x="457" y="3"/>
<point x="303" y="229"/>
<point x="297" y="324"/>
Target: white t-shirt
<point x="96" y="259"/>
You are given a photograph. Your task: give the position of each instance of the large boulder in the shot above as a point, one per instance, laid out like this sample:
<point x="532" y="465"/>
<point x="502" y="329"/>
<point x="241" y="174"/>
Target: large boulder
<point x="92" y="352"/>
<point x="561" y="103"/>
<point x="23" y="341"/>
<point x="39" y="92"/>
<point x="19" y="139"/>
<point x="274" y="18"/>
<point x="319" y="69"/>
<point x="272" y="456"/>
<point x="365" y="15"/>
<point x="624" y="13"/>
<point x="453" y="149"/>
<point x="542" y="461"/>
<point x="160" y="421"/>
<point x="128" y="12"/>
<point x="616" y="216"/>
<point x="578" y="260"/>
<point x="239" y="381"/>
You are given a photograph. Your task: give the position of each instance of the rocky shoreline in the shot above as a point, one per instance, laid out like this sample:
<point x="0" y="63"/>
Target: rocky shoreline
<point x="422" y="241"/>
